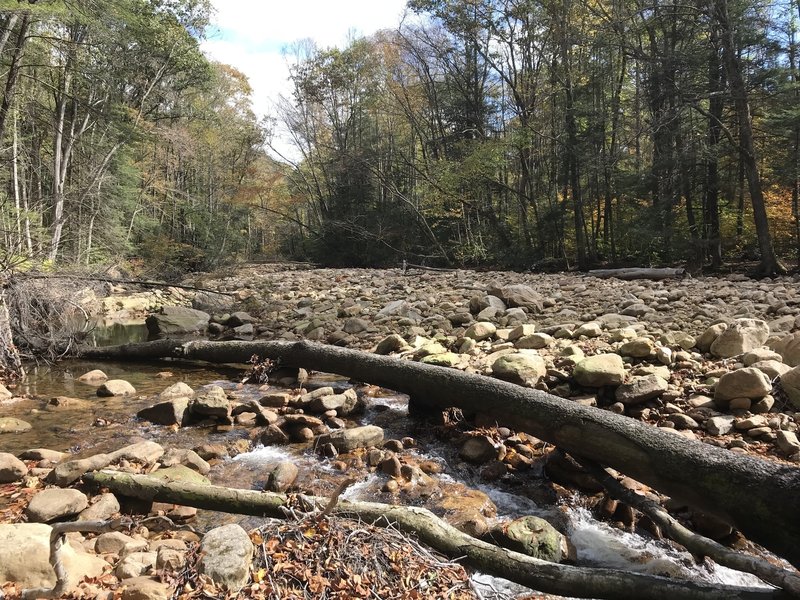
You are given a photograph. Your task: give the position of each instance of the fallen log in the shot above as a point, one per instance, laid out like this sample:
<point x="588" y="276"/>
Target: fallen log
<point x="540" y="575"/>
<point x="631" y="273"/>
<point x="761" y="498"/>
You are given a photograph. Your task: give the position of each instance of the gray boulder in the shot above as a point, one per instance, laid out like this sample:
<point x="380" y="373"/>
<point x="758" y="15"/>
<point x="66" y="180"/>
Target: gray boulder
<point x="211" y="402"/>
<point x="54" y="503"/>
<point x="225" y="555"/>
<point x="518" y="294"/>
<point x="741" y="336"/>
<point x="174" y="320"/>
<point x="212" y="302"/>
<point x="282" y="476"/>
<point x="532" y="536"/>
<point x="641" y="389"/>
<point x="742" y="383"/>
<point x="170" y="412"/>
<point x="13" y="425"/>
<point x="790" y="382"/>
<point x="116" y="387"/>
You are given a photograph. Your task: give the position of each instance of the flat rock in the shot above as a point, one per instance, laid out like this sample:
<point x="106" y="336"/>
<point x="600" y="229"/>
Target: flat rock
<point x="103" y="508"/>
<point x="187" y="458"/>
<point x="38" y="454"/>
<point x="600" y="370"/>
<point x="54" y="503"/>
<point x="720" y="425"/>
<point x="24" y="558"/>
<point x="641" y="389"/>
<point x="225" y="555"/>
<point x="640" y="347"/>
<point x="346" y="440"/>
<point x="13" y="425"/>
<point x="135" y="564"/>
<point x="518" y="294"/>
<point x="180" y="473"/>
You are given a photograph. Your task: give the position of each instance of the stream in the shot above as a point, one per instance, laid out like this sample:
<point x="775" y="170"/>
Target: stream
<point x="89" y="425"/>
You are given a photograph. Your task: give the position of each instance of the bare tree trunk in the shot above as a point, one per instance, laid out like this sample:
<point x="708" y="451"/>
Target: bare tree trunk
<point x="13" y="72"/>
<point x="770" y="265"/>
<point x="759" y="497"/>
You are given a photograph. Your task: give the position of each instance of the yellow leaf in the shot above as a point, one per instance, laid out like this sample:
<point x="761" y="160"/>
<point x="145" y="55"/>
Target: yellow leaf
<point x="259" y="575"/>
<point x="310" y="532"/>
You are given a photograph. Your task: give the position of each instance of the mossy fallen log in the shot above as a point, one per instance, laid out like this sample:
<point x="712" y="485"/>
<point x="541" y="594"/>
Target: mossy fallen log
<point x="761" y="498"/>
<point x="541" y="575"/>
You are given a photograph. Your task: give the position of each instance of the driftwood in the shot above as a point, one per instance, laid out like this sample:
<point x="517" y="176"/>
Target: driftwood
<point x="761" y="498"/>
<point x="531" y="572"/>
<point x="638" y="273"/>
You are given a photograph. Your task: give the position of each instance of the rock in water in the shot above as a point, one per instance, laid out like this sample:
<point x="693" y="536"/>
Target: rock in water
<point x="171" y="412"/>
<point x="533" y="536"/>
<point x="116" y="387"/>
<point x="225" y="555"/>
<point x="282" y="477"/>
<point x="346" y="440"/>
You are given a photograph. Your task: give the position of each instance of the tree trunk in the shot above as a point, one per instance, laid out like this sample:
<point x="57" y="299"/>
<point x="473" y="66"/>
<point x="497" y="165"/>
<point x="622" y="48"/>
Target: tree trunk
<point x="552" y="578"/>
<point x="10" y="363"/>
<point x="770" y="265"/>
<point x="759" y="497"/>
<point x="13" y="72"/>
<point x="631" y="273"/>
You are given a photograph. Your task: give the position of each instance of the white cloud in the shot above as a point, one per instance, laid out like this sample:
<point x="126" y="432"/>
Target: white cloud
<point x="250" y="35"/>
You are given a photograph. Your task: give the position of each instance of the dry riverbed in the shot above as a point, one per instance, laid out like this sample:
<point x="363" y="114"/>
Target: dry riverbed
<point x="709" y="358"/>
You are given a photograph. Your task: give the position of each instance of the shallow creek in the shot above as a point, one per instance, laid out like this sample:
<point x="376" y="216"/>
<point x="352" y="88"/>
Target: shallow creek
<point x="101" y="424"/>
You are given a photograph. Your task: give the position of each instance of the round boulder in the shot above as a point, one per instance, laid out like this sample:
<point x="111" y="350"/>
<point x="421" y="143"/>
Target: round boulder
<point x="520" y="367"/>
<point x="741" y="336"/>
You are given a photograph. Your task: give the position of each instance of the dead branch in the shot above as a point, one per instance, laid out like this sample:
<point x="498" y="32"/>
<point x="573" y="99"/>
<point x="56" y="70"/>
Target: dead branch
<point x="531" y="572"/>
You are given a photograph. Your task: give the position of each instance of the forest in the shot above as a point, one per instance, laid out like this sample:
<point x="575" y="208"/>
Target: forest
<point x="544" y="134"/>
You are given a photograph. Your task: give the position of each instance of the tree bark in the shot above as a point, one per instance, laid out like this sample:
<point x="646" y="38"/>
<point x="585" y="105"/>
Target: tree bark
<point x="759" y="497"/>
<point x="541" y="575"/>
<point x="637" y="273"/>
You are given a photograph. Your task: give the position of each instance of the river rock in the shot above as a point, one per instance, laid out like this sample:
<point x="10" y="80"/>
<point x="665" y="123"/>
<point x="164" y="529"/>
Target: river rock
<point x="239" y="318"/>
<point x="116" y="387"/>
<point x="104" y="507"/>
<point x="760" y="354"/>
<point x="135" y="564"/>
<point x="211" y="402"/>
<point x="518" y="294"/>
<point x="521" y="331"/>
<point x="39" y="454"/>
<point x="720" y="425"/>
<point x="144" y="588"/>
<point x="771" y="368"/>
<point x="789" y="348"/>
<point x="640" y="347"/>
<point x="282" y="476"/>
<point x="225" y="555"/>
<point x="592" y="329"/>
<point x="180" y="473"/>
<point x="176" y="390"/>
<point x="177" y="320"/>
<point x="790" y="383"/>
<point x="709" y="336"/>
<point x="535" y="341"/>
<point x="24" y="558"/>
<point x="480" y="449"/>
<point x="346" y="440"/>
<point x="54" y="503"/>
<point x="641" y="389"/>
<point x="169" y="412"/>
<point x="11" y="468"/>
<point x="787" y="442"/>
<point x="482" y="330"/>
<point x="532" y="536"/>
<point x="397" y="308"/>
<point x="600" y="370"/>
<point x="93" y="377"/>
<point x="447" y="359"/>
<point x="741" y="383"/>
<point x="741" y="336"/>
<point x="66" y="403"/>
<point x="521" y="367"/>
<point x="116" y="542"/>
<point x="13" y="425"/>
<point x="188" y="458"/>
<point x="391" y="343"/>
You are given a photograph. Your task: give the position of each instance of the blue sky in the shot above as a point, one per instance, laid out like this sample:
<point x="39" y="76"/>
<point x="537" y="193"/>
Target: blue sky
<point x="251" y="35"/>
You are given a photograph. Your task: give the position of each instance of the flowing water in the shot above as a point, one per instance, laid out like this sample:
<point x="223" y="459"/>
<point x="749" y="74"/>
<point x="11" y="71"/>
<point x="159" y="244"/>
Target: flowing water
<point x="95" y="425"/>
